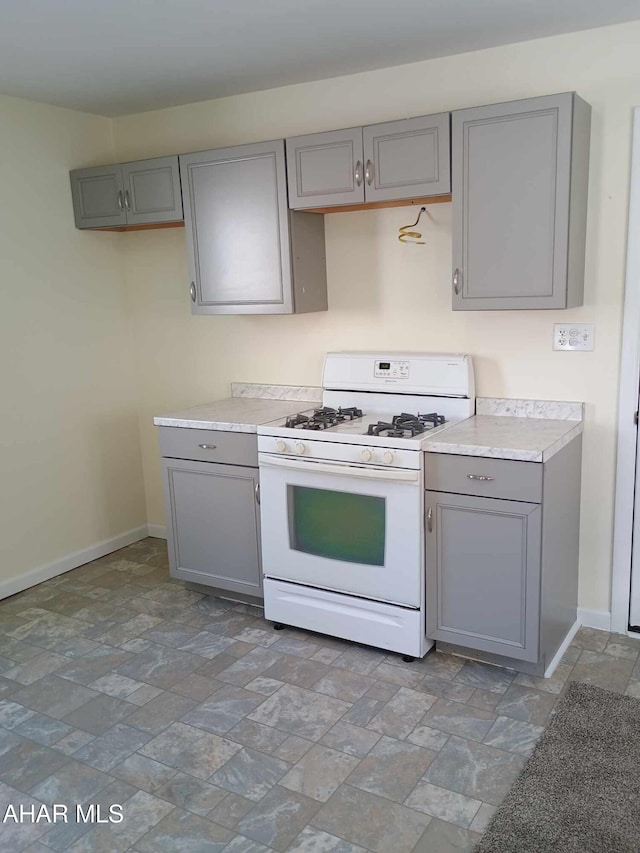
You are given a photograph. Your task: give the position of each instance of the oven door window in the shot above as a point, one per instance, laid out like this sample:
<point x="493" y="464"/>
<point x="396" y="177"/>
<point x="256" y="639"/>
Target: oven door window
<point x="338" y="525"/>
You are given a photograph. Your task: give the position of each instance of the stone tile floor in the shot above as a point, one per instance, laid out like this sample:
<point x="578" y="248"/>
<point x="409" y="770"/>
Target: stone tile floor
<point x="119" y="686"/>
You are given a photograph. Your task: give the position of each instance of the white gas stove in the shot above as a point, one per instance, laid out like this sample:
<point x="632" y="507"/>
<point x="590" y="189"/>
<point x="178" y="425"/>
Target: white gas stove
<point x="342" y="496"/>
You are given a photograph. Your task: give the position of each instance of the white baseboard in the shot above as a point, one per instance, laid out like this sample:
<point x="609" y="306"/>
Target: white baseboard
<point x="555" y="660"/>
<point x="64" y="564"/>
<point x="157" y="530"/>
<point x="600" y="619"/>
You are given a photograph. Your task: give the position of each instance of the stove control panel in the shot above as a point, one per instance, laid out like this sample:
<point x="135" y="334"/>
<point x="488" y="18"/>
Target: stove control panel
<point x="391" y="369"/>
<point x="313" y="449"/>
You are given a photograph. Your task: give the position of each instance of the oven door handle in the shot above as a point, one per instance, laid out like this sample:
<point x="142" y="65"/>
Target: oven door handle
<point x="400" y="475"/>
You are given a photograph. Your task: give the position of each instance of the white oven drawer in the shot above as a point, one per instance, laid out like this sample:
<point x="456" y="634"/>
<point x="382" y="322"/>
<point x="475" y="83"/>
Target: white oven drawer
<point x="370" y="622"/>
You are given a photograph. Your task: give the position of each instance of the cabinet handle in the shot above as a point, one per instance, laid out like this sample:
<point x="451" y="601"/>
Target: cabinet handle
<point x="457" y="280"/>
<point x="208" y="446"/>
<point x="368" y="172"/>
<point x="192" y="291"/>
<point x="482" y="477"/>
<point x="358" y="173"/>
<point x="120" y="203"/>
<point x="257" y="491"/>
<point x="430" y="520"/>
<point x="127" y="200"/>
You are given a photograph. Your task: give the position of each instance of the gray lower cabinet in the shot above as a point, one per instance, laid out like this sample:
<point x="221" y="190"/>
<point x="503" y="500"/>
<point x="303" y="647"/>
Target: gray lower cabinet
<point x="519" y="191"/>
<point x="502" y="555"/>
<point x="248" y="254"/>
<point x="484" y="578"/>
<point x="212" y="511"/>
<point x="408" y="158"/>
<point x="137" y="193"/>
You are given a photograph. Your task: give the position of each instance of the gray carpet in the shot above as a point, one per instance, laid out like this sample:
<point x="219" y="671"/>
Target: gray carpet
<point x="580" y="790"/>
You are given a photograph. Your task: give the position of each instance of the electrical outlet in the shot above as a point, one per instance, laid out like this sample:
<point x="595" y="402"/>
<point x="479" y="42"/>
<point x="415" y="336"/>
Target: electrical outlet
<point x="574" y="336"/>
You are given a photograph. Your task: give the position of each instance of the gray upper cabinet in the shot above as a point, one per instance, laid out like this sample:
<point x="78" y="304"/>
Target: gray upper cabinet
<point x="519" y="187"/>
<point x="152" y="191"/>
<point x="143" y="192"/>
<point x="326" y="168"/>
<point x="98" y="197"/>
<point x="408" y="158"/>
<point x="247" y="253"/>
<point x="401" y="159"/>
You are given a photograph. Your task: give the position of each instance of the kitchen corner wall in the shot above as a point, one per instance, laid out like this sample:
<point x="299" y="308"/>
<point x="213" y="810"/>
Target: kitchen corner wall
<point x="70" y="470"/>
<point x="386" y="295"/>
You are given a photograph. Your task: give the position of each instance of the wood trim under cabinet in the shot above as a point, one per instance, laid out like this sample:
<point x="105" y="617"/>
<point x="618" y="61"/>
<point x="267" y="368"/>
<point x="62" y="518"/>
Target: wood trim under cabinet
<point x="149" y="226"/>
<point x="346" y="208"/>
<point x="372" y="205"/>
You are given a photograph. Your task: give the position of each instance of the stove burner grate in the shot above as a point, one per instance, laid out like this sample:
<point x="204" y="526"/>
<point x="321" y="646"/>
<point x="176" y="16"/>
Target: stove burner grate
<point x="323" y="418"/>
<point x="406" y="425"/>
<point x="296" y="421"/>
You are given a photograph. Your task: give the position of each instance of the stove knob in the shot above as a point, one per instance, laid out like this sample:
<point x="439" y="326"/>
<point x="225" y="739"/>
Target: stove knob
<point x="388" y="457"/>
<point x="300" y="448"/>
<point x="280" y="446"/>
<point x="367" y="455"/>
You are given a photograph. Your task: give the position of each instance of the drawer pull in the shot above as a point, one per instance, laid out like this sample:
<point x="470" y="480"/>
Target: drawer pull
<point x="207" y="446"/>
<point x="482" y="477"/>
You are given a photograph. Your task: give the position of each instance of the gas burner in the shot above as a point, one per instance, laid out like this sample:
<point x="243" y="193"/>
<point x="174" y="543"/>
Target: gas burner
<point x="297" y="421"/>
<point x="384" y="428"/>
<point x="432" y="418"/>
<point x="349" y="414"/>
<point x="323" y="418"/>
<point x="314" y="422"/>
<point x="405" y="425"/>
<point x="338" y="415"/>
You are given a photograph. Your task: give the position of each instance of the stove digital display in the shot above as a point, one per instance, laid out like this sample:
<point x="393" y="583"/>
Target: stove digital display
<point x="391" y="369"/>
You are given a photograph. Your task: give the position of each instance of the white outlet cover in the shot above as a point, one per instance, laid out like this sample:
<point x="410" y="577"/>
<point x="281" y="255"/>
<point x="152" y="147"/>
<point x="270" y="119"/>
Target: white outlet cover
<point x="574" y="336"/>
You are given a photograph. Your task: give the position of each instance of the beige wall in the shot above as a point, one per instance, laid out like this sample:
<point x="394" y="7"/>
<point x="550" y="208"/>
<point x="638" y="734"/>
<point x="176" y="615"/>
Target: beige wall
<point x="389" y="295"/>
<point x="69" y="446"/>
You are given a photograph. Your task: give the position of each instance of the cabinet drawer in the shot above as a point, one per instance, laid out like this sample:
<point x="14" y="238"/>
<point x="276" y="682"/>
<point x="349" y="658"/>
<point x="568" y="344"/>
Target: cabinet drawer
<point x="518" y="481"/>
<point x="209" y="445"/>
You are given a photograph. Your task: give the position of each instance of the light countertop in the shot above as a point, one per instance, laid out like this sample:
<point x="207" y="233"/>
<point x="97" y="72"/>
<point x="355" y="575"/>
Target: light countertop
<point x="525" y="430"/>
<point x="233" y="414"/>
<point x="528" y="439"/>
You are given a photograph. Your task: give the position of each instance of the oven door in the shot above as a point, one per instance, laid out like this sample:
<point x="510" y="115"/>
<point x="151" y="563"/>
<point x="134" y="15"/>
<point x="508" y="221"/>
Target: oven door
<point x="349" y="528"/>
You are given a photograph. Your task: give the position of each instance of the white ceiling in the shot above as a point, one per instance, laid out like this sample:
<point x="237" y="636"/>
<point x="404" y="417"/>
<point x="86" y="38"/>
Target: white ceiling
<point x="123" y="56"/>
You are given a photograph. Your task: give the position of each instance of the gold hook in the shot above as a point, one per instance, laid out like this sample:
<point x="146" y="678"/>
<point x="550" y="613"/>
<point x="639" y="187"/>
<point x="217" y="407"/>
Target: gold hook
<point x="414" y="235"/>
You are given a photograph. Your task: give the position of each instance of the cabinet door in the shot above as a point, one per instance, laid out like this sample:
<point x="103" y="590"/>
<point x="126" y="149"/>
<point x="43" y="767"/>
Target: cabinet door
<point x="152" y="191"/>
<point x="98" y="197"/>
<point x="483" y="573"/>
<point x="512" y="176"/>
<point x="325" y="169"/>
<point x="235" y="207"/>
<point x="213" y="524"/>
<point x="407" y="158"/>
